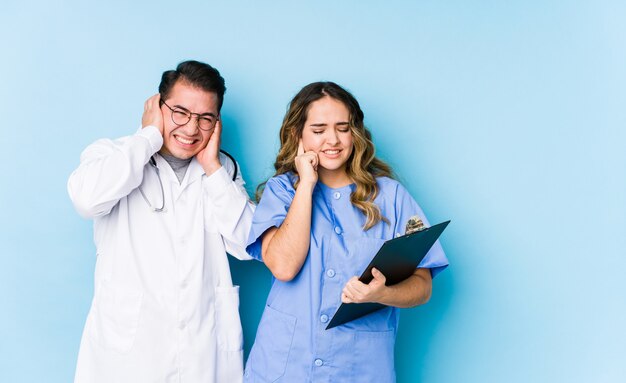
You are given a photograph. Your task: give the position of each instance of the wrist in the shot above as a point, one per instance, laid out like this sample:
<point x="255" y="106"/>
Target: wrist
<point x="307" y="186"/>
<point x="384" y="295"/>
<point x="211" y="167"/>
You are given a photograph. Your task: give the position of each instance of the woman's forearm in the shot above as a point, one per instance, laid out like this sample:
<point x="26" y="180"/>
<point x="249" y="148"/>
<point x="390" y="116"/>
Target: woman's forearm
<point x="413" y="291"/>
<point x="285" y="249"/>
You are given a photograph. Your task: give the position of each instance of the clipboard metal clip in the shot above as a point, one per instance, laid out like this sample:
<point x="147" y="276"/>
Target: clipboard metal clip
<point x="414" y="224"/>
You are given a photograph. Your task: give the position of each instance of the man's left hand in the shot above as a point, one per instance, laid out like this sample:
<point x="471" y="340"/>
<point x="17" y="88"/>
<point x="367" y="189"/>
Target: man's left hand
<point x="209" y="156"/>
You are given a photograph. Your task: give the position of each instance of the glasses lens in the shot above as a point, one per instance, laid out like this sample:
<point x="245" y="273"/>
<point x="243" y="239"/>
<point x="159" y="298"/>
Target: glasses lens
<point x="179" y="117"/>
<point x="206" y="123"/>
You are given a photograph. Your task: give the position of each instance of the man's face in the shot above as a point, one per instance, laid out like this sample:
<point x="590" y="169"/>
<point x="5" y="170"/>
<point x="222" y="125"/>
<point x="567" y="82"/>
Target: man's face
<point x="185" y="141"/>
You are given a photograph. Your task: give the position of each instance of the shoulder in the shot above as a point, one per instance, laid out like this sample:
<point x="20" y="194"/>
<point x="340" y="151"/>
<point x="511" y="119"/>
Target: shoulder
<point x="103" y="146"/>
<point x="277" y="190"/>
<point x="282" y="182"/>
<point x="388" y="185"/>
<point x="149" y="137"/>
<point x="392" y="191"/>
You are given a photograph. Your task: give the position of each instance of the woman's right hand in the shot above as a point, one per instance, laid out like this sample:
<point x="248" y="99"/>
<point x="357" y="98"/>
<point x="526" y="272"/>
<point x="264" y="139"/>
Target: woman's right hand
<point x="306" y="165"/>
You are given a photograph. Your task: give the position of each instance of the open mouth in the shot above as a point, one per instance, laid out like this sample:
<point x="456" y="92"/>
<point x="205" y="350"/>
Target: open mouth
<point x="185" y="141"/>
<point x="331" y="152"/>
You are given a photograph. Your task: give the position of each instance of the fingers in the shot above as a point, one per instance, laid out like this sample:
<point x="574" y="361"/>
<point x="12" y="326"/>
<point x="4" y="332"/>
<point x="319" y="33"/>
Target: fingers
<point x="354" y="290"/>
<point x="300" y="148"/>
<point x="378" y="275"/>
<point x="152" y="114"/>
<point x="311" y="158"/>
<point x="306" y="164"/>
<point x="217" y="132"/>
<point x="315" y="161"/>
<point x="346" y="299"/>
<point x="313" y="155"/>
<point x="152" y="102"/>
<point x="209" y="156"/>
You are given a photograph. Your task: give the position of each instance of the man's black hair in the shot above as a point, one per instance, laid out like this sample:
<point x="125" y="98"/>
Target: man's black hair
<point x="197" y="74"/>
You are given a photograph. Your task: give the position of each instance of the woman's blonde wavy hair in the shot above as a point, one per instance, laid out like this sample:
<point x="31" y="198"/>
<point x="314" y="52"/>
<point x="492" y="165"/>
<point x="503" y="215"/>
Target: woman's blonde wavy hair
<point x="362" y="167"/>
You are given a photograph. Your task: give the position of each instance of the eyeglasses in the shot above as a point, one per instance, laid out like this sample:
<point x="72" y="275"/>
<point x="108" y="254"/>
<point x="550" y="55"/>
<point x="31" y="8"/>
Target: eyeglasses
<point x="181" y="116"/>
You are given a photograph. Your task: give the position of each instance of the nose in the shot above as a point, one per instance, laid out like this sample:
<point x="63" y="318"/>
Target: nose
<point x="192" y="126"/>
<point x="333" y="137"/>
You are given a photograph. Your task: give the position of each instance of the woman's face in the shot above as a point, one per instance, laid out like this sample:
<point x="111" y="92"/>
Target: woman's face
<point x="327" y="133"/>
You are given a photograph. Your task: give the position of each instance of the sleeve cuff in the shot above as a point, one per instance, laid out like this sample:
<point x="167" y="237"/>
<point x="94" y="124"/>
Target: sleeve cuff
<point x="217" y="183"/>
<point x="154" y="137"/>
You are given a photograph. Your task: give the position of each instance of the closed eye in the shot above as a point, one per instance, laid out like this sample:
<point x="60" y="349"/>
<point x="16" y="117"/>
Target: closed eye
<point x="181" y="113"/>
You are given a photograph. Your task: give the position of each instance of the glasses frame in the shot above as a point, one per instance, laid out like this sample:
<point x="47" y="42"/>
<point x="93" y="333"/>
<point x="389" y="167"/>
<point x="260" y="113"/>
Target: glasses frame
<point x="190" y="115"/>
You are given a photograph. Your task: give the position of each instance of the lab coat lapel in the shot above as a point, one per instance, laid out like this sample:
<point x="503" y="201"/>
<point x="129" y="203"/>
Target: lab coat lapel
<point x="194" y="173"/>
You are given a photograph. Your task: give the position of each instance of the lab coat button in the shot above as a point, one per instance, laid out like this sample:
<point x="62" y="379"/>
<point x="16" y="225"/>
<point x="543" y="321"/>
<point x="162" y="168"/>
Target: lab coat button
<point x="318" y="362"/>
<point x="324" y="318"/>
<point x="330" y="273"/>
<point x="182" y="325"/>
<point x="337" y="230"/>
<point x="337" y="195"/>
<point x="183" y="285"/>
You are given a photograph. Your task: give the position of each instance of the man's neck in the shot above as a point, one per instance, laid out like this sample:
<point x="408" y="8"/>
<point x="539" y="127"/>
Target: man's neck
<point x="179" y="166"/>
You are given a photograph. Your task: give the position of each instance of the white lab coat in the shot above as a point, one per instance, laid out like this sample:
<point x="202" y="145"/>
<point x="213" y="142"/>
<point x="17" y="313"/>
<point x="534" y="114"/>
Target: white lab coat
<point x="164" y="307"/>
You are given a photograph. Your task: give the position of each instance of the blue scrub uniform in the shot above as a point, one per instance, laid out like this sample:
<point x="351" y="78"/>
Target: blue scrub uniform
<point x="291" y="343"/>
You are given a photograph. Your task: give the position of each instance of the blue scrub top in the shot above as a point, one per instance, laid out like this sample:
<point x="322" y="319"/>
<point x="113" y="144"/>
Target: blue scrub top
<point x="291" y="343"/>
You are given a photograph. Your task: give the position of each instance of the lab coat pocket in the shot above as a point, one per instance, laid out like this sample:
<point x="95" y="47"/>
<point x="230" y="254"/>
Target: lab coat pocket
<point x="228" y="324"/>
<point x="115" y="316"/>
<point x="269" y="355"/>
<point x="374" y="356"/>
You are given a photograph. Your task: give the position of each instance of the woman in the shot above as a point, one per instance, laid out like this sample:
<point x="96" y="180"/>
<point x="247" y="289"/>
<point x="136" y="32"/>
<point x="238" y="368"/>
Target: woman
<point x="321" y="219"/>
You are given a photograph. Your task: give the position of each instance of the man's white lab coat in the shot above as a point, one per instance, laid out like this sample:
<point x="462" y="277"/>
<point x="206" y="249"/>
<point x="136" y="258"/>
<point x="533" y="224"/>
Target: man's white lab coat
<point x="164" y="307"/>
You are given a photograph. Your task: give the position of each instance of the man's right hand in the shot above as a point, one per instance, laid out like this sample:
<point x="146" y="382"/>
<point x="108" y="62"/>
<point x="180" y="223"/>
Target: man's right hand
<point x="306" y="165"/>
<point x="152" y="114"/>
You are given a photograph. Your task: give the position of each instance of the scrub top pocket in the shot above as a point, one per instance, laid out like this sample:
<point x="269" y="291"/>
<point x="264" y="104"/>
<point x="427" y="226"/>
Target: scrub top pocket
<point x="275" y="331"/>
<point x="373" y="356"/>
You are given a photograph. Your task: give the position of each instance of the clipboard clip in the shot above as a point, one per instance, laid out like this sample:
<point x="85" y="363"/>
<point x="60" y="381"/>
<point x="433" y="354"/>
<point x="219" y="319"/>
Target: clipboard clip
<point x="414" y="224"/>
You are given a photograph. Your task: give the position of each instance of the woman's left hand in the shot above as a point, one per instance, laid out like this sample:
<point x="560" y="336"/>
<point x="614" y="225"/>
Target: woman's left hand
<point x="356" y="291"/>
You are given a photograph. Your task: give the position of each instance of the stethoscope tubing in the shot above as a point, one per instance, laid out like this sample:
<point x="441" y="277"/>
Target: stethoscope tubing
<point x="153" y="164"/>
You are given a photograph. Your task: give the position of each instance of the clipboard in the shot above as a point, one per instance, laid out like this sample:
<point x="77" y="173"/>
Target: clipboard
<point x="397" y="259"/>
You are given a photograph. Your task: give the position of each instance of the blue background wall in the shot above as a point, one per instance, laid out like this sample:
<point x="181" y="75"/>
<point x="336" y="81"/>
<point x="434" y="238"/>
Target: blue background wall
<point x="506" y="117"/>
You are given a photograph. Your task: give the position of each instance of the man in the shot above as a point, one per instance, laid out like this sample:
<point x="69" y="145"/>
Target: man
<point x="166" y="210"/>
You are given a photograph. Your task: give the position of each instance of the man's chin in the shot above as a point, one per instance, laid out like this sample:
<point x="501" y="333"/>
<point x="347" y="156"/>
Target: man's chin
<point x="181" y="155"/>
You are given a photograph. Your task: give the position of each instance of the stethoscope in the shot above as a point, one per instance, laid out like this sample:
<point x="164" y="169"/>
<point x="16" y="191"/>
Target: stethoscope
<point x="153" y="164"/>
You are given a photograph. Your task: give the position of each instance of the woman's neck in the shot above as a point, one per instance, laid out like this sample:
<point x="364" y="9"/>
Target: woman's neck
<point x="334" y="178"/>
